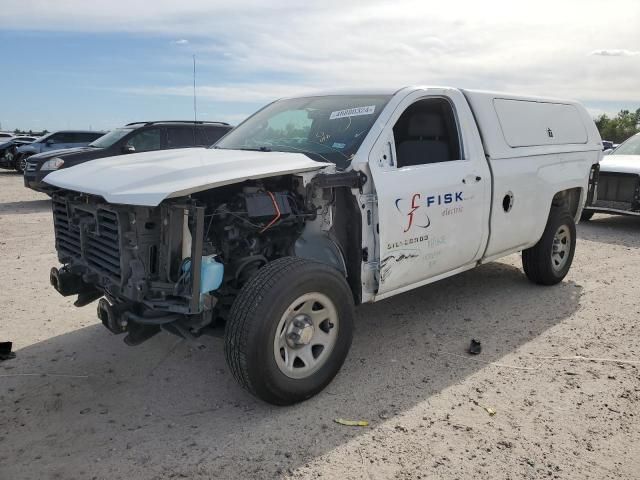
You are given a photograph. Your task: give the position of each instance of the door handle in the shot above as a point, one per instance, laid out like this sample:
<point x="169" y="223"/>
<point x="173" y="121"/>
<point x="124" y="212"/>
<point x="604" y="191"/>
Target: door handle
<point x="391" y="159"/>
<point x="471" y="179"/>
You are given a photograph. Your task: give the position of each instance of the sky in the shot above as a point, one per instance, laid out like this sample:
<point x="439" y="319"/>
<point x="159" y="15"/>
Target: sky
<point x="93" y="64"/>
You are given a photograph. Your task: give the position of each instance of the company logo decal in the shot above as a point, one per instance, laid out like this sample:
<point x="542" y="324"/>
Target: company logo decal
<point x="419" y="218"/>
<point x="444" y="199"/>
<point x="413" y="216"/>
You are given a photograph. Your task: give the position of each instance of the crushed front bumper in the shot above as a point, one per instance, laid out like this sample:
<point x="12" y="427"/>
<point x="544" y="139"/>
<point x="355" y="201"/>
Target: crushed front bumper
<point x="131" y="255"/>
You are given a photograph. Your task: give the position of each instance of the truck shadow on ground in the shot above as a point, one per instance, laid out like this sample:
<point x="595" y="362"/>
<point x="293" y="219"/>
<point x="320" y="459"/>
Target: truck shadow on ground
<point x="165" y="408"/>
<point x="611" y="229"/>
<point x="25" y="206"/>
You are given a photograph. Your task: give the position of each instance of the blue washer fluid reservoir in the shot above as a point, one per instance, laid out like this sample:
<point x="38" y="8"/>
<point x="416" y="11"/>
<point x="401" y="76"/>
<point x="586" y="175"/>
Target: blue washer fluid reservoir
<point x="211" y="272"/>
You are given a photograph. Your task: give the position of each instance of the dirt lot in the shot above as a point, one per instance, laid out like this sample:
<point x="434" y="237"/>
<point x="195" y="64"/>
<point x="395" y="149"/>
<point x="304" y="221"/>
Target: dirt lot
<point x="77" y="403"/>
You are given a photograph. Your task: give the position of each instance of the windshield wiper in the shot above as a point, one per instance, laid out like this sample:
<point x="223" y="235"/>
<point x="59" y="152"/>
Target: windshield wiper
<point x="307" y="152"/>
<point x="249" y="149"/>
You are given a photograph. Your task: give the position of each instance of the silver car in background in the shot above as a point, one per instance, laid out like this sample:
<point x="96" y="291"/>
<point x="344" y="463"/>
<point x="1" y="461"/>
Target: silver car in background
<point x="55" y="141"/>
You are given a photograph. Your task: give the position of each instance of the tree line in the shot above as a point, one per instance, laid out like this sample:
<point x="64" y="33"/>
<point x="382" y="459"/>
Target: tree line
<point x="17" y="131"/>
<point x="617" y="129"/>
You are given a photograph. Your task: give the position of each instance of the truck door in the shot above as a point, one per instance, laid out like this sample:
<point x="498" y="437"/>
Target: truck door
<point x="433" y="186"/>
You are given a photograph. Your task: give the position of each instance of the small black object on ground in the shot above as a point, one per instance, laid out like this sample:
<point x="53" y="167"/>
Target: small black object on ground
<point x="475" y="347"/>
<point x="5" y="351"/>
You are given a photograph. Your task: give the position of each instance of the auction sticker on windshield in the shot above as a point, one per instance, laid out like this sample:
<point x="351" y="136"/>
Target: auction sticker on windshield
<point x="352" y="112"/>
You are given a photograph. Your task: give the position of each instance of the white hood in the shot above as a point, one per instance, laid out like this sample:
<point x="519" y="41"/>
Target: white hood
<point x="620" y="164"/>
<point x="148" y="178"/>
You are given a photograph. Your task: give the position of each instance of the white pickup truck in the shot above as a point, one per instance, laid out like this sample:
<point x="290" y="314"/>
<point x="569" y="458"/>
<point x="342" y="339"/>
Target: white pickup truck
<point x="314" y="205"/>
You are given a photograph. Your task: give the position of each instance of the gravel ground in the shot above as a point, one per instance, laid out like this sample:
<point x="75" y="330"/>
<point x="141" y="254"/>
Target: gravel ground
<point x="77" y="403"/>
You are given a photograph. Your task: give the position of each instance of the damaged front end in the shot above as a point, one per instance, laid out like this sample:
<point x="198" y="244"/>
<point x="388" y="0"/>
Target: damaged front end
<point x="135" y="258"/>
<point x="178" y="266"/>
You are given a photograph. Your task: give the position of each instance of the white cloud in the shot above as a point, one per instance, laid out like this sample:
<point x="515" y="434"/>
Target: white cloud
<point x="535" y="46"/>
<point x="182" y="41"/>
<point x="614" y="52"/>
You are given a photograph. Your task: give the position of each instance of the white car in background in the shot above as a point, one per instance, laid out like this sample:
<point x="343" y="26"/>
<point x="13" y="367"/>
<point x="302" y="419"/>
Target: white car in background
<point x="616" y="189"/>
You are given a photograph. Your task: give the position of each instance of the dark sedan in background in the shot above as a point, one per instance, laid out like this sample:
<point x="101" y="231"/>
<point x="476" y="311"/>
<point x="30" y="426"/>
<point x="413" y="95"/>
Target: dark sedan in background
<point x="133" y="137"/>
<point x="8" y="149"/>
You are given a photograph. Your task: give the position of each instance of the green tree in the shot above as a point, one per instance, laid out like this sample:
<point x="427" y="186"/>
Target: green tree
<point x="620" y="127"/>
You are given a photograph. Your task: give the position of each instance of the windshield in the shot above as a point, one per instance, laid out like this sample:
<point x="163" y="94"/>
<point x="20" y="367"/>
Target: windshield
<point x="629" y="147"/>
<point x="329" y="128"/>
<point x="110" y="138"/>
<point x="43" y="138"/>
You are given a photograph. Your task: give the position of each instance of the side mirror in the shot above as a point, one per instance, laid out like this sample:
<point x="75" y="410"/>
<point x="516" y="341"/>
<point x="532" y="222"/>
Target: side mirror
<point x="607" y="151"/>
<point x="128" y="149"/>
<point x="49" y="141"/>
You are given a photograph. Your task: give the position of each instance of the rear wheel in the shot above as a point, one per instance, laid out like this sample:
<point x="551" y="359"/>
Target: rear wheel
<point x="289" y="330"/>
<point x="549" y="260"/>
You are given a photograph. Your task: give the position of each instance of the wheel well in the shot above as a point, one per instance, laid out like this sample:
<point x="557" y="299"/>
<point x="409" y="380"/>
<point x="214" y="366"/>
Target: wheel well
<point x="569" y="198"/>
<point x="347" y="231"/>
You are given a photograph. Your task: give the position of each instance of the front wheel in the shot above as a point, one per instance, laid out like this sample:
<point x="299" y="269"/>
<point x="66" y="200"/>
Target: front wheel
<point x="549" y="260"/>
<point x="20" y="162"/>
<point x="289" y="330"/>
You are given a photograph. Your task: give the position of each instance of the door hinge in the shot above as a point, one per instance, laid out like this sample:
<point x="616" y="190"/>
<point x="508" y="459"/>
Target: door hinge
<point x="370" y="281"/>
<point x="368" y="199"/>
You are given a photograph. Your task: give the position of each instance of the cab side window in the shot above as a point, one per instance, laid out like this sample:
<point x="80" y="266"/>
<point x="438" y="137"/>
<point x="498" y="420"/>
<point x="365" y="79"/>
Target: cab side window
<point x="89" y="137"/>
<point x="55" y="138"/>
<point x="62" y="137"/>
<point x="145" y="140"/>
<point x="207" y="136"/>
<point x="427" y="132"/>
<point x="77" y="137"/>
<point x="180" y="137"/>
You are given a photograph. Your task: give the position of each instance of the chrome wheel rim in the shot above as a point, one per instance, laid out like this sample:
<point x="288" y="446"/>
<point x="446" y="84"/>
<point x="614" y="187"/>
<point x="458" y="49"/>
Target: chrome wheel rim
<point x="306" y="335"/>
<point x="23" y="164"/>
<point x="561" y="248"/>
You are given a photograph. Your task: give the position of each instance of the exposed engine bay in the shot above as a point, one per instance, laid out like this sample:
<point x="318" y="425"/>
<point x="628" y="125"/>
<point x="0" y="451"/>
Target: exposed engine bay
<point x="179" y="266"/>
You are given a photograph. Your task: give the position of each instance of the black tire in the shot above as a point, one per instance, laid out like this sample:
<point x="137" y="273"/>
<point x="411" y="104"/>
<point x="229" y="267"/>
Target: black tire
<point x="539" y="265"/>
<point x="254" y="319"/>
<point x="18" y="159"/>
<point x="586" y="215"/>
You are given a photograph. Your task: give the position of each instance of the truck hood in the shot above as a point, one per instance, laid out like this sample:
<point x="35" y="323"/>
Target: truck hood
<point x="149" y="178"/>
<point x="620" y="163"/>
